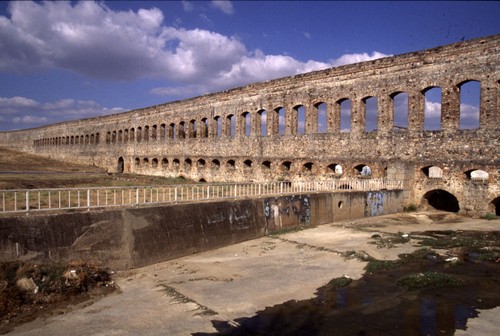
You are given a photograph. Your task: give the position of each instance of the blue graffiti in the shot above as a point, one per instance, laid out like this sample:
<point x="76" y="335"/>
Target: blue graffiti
<point x="375" y="203"/>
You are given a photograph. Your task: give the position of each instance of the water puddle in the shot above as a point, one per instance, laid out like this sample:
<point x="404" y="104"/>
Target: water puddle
<point x="436" y="296"/>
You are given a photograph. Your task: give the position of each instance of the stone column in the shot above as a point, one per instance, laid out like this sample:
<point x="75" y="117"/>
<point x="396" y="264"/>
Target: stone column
<point x="290" y="120"/>
<point x="333" y="116"/>
<point x="385" y="114"/>
<point x="358" y="117"/>
<point x="450" y="108"/>
<point x="311" y="122"/>
<point x="489" y="106"/>
<point x="416" y="102"/>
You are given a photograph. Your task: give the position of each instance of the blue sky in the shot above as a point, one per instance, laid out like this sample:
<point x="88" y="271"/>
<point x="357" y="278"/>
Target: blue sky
<point x="71" y="60"/>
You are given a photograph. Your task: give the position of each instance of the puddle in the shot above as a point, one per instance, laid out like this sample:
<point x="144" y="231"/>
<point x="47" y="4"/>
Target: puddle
<point x="377" y="304"/>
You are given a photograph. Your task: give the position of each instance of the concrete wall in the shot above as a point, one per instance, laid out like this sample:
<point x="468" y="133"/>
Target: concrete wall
<point x="134" y="237"/>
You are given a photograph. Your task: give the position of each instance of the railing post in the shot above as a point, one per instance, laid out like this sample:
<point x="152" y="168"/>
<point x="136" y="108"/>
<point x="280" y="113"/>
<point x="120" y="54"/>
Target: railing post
<point x="88" y="199"/>
<point x="175" y="194"/>
<point x="27" y="201"/>
<point x="137" y="196"/>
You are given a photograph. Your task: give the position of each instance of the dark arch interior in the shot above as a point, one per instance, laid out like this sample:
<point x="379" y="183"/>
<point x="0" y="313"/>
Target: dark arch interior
<point x="120" y="165"/>
<point x="442" y="200"/>
<point x="496" y="204"/>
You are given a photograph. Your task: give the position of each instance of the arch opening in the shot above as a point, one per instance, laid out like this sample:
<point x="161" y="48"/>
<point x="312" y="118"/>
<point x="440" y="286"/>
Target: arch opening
<point x="121" y="165"/>
<point x="345" y="115"/>
<point x="496" y="204"/>
<point x="400" y="111"/>
<point x="442" y="200"/>
<point x="469" y="104"/>
<point x="322" y="118"/>
<point x="432" y="108"/>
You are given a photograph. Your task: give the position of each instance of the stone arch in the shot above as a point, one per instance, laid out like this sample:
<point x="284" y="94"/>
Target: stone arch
<point x="266" y="165"/>
<point x="263" y="122"/>
<point x="470" y="103"/>
<point x="247" y="164"/>
<point x="172" y="131"/>
<point x="245" y="124"/>
<point x="279" y="124"/>
<point x="154" y="133"/>
<point x="230" y="127"/>
<point x="164" y="163"/>
<point x="495" y="206"/>
<point x="321" y="117"/>
<point x="363" y="170"/>
<point x="215" y="164"/>
<point x="137" y="162"/>
<point x="176" y="164"/>
<point x="163" y="132"/>
<point x="399" y="110"/>
<point x="335" y="168"/>
<point x="138" y="134"/>
<point x="308" y="167"/>
<point x="204" y="128"/>
<point x="231" y="164"/>
<point x="120" y="136"/>
<point x="145" y="162"/>
<point x="370" y="110"/>
<point x="131" y="136"/>
<point x="121" y="165"/>
<point x="477" y="175"/>
<point x="201" y="164"/>
<point x="441" y="199"/>
<point x="433" y="99"/>
<point x="108" y="137"/>
<point x="202" y="180"/>
<point x="345" y="108"/>
<point x="188" y="164"/>
<point x="146" y="133"/>
<point x="218" y="126"/>
<point x="125" y="135"/>
<point x="299" y="119"/>
<point x="192" y="128"/>
<point x="286" y="166"/>
<point x="182" y="130"/>
<point x="432" y="172"/>
<point x="154" y="163"/>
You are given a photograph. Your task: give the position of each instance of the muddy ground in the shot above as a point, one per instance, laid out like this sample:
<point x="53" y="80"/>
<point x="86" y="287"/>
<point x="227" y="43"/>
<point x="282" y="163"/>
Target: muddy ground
<point x="430" y="273"/>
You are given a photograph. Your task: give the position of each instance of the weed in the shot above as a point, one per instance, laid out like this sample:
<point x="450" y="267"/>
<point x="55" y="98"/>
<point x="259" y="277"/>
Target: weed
<point x="489" y="216"/>
<point x="342" y="281"/>
<point x="377" y="265"/>
<point x="410" y="208"/>
<point x="429" y="279"/>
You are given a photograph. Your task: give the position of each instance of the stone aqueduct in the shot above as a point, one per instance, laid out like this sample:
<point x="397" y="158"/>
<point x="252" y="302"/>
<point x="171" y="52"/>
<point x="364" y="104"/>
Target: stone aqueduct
<point x="313" y="126"/>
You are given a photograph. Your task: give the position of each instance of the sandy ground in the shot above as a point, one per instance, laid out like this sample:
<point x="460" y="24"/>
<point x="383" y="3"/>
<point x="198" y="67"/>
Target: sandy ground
<point x="185" y="295"/>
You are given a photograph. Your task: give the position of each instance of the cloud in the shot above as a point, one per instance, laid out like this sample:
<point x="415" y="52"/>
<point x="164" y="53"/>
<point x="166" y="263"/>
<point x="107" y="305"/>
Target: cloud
<point x="224" y="5"/>
<point x="25" y="112"/>
<point x="187" y="6"/>
<point x="91" y="39"/>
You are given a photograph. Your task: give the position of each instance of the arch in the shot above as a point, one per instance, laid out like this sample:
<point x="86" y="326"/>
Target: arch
<point x="146" y="133"/>
<point x="145" y="162"/>
<point x="172" y="131"/>
<point x="335" y="168"/>
<point x="399" y="107"/>
<point x="230" y="130"/>
<point x="363" y="170"/>
<point x="299" y="119"/>
<point x="218" y="126"/>
<point x="137" y="162"/>
<point x="163" y="133"/>
<point x="266" y="165"/>
<point x="108" y="137"/>
<point x="370" y="106"/>
<point x="176" y="164"/>
<point x="432" y="172"/>
<point x="345" y="114"/>
<point x="246" y="124"/>
<point x="262" y="122"/>
<point x="188" y="164"/>
<point x="131" y="135"/>
<point x="308" y="167"/>
<point x="200" y="163"/>
<point x="125" y="135"/>
<point x="470" y="91"/>
<point x="202" y="180"/>
<point x="286" y="166"/>
<point x="121" y="165"/>
<point x="97" y="138"/>
<point x="215" y="164"/>
<point x="477" y="175"/>
<point x="231" y="164"/>
<point x="280" y="125"/>
<point x="496" y="205"/>
<point x="204" y="128"/>
<point x="247" y="164"/>
<point x="432" y="108"/>
<point x="192" y="129"/>
<point x="322" y="120"/>
<point x="113" y="137"/>
<point x="154" y="133"/>
<point x="441" y="199"/>
<point x="120" y="136"/>
<point x="138" y="134"/>
<point x="182" y="130"/>
<point x="164" y="163"/>
<point x="154" y="163"/>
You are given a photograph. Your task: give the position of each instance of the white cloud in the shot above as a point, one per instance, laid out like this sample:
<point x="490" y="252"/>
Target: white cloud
<point x="91" y="39"/>
<point x="30" y="113"/>
<point x="224" y="5"/>
<point x="187" y="5"/>
<point x="432" y="109"/>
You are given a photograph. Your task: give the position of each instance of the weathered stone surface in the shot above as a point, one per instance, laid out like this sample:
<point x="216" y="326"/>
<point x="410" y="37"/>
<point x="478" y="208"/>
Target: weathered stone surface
<point x="183" y="138"/>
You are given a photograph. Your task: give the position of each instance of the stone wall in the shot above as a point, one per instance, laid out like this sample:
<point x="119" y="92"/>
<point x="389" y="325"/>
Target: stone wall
<point x="299" y="128"/>
<point x="134" y="237"/>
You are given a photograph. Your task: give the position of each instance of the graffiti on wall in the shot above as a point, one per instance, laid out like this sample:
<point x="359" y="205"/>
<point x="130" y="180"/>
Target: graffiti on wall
<point x="287" y="211"/>
<point x="375" y="203"/>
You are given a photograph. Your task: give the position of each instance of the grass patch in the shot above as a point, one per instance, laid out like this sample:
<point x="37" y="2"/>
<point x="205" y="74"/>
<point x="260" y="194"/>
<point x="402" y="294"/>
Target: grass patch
<point x="428" y="280"/>
<point x="410" y="208"/>
<point x="489" y="216"/>
<point x="378" y="265"/>
<point x="342" y="281"/>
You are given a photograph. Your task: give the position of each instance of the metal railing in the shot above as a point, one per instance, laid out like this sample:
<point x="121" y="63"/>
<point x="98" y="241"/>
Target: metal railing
<point x="28" y="200"/>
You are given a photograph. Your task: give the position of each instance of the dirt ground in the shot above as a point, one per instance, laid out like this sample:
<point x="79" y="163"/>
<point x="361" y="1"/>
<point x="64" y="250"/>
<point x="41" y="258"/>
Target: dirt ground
<point x="252" y="287"/>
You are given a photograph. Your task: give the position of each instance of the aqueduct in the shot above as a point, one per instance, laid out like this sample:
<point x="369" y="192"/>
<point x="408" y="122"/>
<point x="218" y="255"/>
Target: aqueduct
<point x="371" y="119"/>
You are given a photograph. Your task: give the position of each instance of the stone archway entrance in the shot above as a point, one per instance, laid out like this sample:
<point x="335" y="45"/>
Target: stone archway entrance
<point x="442" y="200"/>
<point x="496" y="205"/>
<point x="121" y="165"/>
